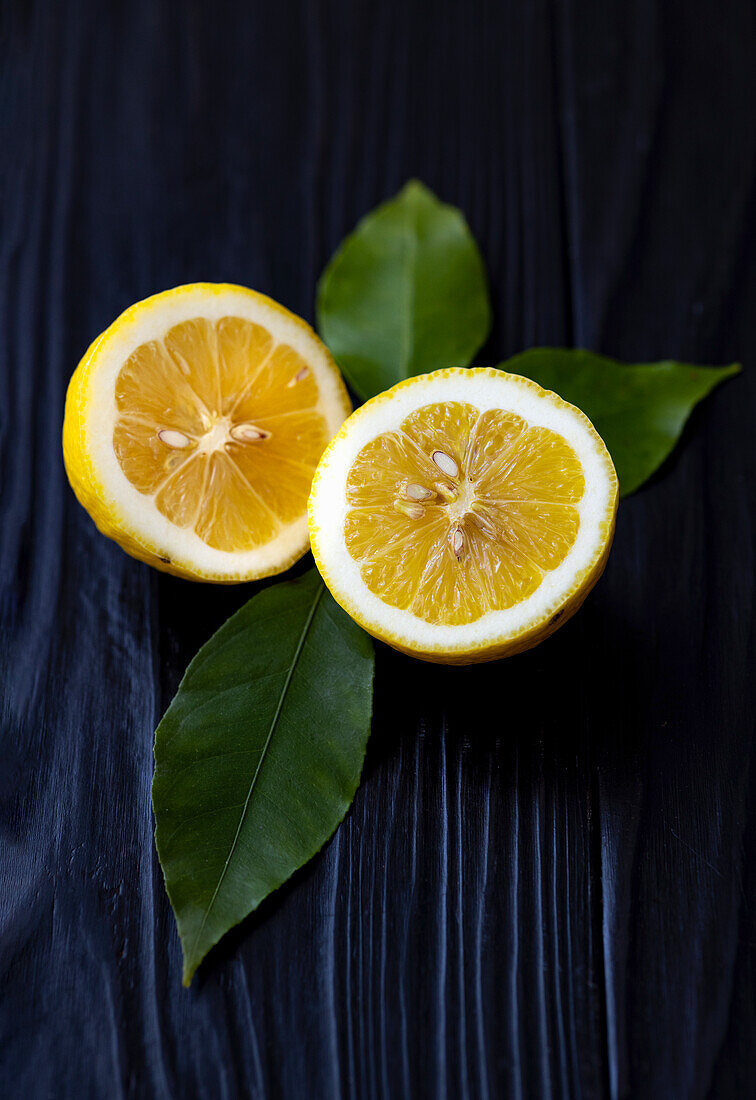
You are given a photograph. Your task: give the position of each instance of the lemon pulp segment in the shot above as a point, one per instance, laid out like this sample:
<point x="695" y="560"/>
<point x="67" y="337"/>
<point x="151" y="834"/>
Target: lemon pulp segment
<point x="218" y="423"/>
<point x="460" y="512"/>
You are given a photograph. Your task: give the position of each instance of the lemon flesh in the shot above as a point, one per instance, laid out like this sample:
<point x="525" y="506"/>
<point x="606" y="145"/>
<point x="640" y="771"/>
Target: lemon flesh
<point x="464" y="515"/>
<point x="193" y="429"/>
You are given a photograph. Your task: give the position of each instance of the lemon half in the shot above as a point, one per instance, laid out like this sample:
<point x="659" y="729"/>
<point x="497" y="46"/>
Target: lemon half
<point x="193" y="427"/>
<point x="463" y="515"/>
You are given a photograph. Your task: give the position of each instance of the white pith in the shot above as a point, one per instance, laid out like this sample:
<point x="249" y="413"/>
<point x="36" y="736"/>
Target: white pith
<point x="484" y="389"/>
<point x="136" y="511"/>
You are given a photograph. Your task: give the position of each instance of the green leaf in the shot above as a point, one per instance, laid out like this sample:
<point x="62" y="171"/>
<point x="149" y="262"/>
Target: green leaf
<point x="259" y="755"/>
<point x="639" y="410"/>
<point x="405" y="293"/>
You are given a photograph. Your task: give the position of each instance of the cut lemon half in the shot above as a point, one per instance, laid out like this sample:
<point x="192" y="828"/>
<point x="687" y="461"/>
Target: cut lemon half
<point x="463" y="515"/>
<point x="193" y="427"/>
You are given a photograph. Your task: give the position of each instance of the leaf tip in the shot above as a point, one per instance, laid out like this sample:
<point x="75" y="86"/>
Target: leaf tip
<point x="415" y="188"/>
<point x="718" y="375"/>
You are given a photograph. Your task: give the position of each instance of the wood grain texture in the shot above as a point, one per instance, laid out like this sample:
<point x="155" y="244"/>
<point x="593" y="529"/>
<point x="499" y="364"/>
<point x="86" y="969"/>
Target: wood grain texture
<point x="547" y="884"/>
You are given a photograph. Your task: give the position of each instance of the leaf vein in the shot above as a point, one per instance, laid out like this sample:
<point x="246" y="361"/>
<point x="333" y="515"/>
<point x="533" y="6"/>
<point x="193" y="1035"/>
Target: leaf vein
<point x="263" y="754"/>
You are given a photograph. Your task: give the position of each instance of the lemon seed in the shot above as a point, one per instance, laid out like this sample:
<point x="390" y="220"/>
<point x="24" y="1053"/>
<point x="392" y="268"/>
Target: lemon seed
<point x="412" y="511"/>
<point x="417" y="492"/>
<point x="445" y="463"/>
<point x="247" y="433"/>
<point x="298" y="377"/>
<point x="173" y="439"/>
<point x="446" y="491"/>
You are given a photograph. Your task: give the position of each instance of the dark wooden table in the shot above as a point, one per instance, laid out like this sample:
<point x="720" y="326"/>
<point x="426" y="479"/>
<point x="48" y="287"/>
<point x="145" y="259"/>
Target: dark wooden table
<point x="547" y="884"/>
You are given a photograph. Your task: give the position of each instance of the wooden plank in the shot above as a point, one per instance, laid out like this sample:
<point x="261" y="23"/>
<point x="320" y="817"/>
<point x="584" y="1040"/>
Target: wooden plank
<point x="545" y="886"/>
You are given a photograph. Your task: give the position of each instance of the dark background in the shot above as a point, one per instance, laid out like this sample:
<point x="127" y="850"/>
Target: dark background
<point x="547" y="884"/>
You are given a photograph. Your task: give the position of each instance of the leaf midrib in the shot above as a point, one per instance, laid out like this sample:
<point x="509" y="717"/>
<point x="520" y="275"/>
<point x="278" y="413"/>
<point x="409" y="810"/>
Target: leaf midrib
<point x="271" y="730"/>
<point x="407" y="349"/>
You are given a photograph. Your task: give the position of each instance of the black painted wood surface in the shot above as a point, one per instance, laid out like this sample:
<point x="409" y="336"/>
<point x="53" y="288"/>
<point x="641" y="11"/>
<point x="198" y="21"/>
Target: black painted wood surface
<point x="547" y="884"/>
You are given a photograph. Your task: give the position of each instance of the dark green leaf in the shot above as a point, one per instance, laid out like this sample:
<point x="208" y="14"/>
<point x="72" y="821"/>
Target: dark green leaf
<point x="258" y="756"/>
<point x="405" y="293"/>
<point x="639" y="410"/>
